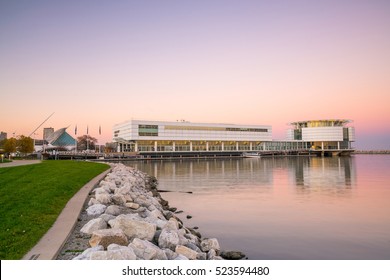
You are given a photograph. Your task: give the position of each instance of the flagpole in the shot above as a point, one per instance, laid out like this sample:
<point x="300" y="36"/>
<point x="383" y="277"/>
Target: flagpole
<point x="87" y="141"/>
<point x="100" y="133"/>
<point x="75" y="140"/>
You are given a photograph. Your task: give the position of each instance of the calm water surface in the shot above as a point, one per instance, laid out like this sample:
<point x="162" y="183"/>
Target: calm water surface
<point x="285" y="208"/>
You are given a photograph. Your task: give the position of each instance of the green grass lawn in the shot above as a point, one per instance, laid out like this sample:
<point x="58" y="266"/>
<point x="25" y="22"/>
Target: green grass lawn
<point x="32" y="197"/>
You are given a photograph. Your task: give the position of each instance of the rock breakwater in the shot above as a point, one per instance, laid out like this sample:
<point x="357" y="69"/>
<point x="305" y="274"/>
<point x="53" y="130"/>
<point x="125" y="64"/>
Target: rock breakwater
<point x="127" y="219"/>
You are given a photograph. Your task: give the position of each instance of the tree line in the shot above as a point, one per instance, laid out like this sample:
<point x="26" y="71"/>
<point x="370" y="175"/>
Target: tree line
<point x="21" y="144"/>
<point x="25" y="145"/>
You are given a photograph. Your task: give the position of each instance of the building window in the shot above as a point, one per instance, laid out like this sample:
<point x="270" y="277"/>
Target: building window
<point x="147" y="130"/>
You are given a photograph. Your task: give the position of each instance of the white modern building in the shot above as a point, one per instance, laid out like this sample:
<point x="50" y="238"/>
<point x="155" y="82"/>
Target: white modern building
<point x="330" y="134"/>
<point x="147" y="137"/>
<point x="157" y="136"/>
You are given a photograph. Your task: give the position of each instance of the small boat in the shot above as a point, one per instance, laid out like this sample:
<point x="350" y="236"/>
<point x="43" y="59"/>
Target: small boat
<point x="251" y="155"/>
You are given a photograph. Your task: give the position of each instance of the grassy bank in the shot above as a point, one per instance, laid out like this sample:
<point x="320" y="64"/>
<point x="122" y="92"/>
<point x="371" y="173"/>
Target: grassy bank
<point x="32" y="197"/>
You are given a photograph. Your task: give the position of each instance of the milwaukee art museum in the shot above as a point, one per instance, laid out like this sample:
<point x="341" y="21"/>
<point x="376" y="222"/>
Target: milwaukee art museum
<point x="181" y="138"/>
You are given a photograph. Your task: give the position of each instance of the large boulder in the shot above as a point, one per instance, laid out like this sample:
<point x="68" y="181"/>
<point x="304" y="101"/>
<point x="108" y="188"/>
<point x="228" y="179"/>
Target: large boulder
<point x="101" y="190"/>
<point x="134" y="228"/>
<point x="168" y="239"/>
<point x="146" y="250"/>
<point x="114" y="210"/>
<point x="187" y="252"/>
<point x="105" y="237"/>
<point x="118" y="199"/>
<point x="93" y="225"/>
<point x="232" y="255"/>
<point x="210" y="243"/>
<point x="86" y="254"/>
<point x="121" y="254"/>
<point x="96" y="209"/>
<point x="103" y="198"/>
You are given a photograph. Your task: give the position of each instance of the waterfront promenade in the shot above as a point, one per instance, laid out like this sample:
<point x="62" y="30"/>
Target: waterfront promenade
<point x="19" y="163"/>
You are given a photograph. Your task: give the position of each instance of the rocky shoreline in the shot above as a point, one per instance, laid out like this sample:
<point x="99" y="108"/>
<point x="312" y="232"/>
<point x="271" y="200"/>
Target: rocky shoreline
<point x="125" y="218"/>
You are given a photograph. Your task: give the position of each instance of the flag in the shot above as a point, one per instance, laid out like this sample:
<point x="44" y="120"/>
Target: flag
<point x="75" y="130"/>
<point x="87" y="129"/>
<point x="100" y="130"/>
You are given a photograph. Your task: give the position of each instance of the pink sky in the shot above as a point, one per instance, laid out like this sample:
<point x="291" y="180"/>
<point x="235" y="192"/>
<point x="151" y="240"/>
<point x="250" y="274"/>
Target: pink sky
<point x="245" y="62"/>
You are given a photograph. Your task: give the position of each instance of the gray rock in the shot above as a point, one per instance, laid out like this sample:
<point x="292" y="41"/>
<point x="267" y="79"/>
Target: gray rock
<point x="113" y="247"/>
<point x="133" y="228"/>
<point x="96" y="209"/>
<point x="146" y="250"/>
<point x="122" y="254"/>
<point x="100" y="190"/>
<point x="187" y="252"/>
<point x="107" y="217"/>
<point x="114" y="210"/>
<point x="93" y="225"/>
<point x="125" y="190"/>
<point x="170" y="254"/>
<point x="211" y="254"/>
<point x="105" y="237"/>
<point x="168" y="239"/>
<point x="86" y="254"/>
<point x="118" y="199"/>
<point x="201" y="256"/>
<point x="208" y="244"/>
<point x="232" y="255"/>
<point x="172" y="224"/>
<point x="92" y="201"/>
<point x="103" y="198"/>
<point x="180" y="258"/>
<point x="192" y="246"/>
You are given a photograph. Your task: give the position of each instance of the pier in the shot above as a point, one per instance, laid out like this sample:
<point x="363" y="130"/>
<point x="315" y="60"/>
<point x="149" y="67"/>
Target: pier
<point x="148" y="155"/>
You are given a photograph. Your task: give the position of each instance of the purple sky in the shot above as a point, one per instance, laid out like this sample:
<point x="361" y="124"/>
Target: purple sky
<point x="246" y="62"/>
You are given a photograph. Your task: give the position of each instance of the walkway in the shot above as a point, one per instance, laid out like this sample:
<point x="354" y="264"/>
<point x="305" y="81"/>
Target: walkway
<point x="19" y="163"/>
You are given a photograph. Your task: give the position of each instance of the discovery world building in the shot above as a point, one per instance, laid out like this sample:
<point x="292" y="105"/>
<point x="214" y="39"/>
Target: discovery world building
<point x="186" y="139"/>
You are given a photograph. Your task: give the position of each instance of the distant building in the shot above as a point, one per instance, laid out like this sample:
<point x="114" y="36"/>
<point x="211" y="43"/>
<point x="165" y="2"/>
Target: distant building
<point x="157" y="138"/>
<point x="323" y="134"/>
<point x="56" y="140"/>
<point x="3" y="136"/>
<point x="47" y="131"/>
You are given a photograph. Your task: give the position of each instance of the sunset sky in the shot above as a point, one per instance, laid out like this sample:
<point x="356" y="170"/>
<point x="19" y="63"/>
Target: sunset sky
<point x="244" y="62"/>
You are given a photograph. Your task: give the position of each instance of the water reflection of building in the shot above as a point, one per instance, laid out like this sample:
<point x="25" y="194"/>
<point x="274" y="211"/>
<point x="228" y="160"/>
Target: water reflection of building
<point x="209" y="173"/>
<point x="314" y="172"/>
<point x="302" y="172"/>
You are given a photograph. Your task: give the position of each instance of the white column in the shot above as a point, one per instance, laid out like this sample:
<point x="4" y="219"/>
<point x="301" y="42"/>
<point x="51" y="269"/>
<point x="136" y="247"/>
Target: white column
<point x="322" y="145"/>
<point x="237" y="146"/>
<point x="173" y="146"/>
<point x="190" y="146"/>
<point x="136" y="147"/>
<point x="250" y="146"/>
<point x="207" y="146"/>
<point x="338" y="145"/>
<point x="155" y="146"/>
<point x="222" y="146"/>
<point x="263" y="146"/>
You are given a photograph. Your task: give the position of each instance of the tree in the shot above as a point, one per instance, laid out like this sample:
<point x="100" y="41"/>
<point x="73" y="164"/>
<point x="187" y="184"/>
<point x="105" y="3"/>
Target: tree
<point x="85" y="142"/>
<point x="10" y="145"/>
<point x="25" y="145"/>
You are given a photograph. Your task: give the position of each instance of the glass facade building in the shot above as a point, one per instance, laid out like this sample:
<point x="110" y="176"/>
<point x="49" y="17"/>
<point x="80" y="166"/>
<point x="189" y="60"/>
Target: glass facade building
<point x="158" y="136"/>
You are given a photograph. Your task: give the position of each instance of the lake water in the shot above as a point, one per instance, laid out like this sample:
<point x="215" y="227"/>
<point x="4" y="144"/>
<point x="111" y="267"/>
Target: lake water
<point x="285" y="208"/>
